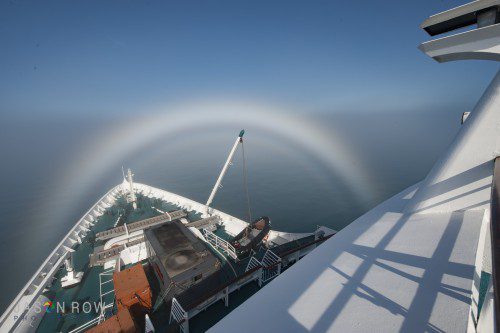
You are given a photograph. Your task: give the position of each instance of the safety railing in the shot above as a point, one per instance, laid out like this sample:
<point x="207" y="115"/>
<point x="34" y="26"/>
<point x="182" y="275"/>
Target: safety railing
<point x="105" y="280"/>
<point x="253" y="263"/>
<point x="86" y="326"/>
<point x="220" y="243"/>
<point x="179" y="315"/>
<point x="271" y="263"/>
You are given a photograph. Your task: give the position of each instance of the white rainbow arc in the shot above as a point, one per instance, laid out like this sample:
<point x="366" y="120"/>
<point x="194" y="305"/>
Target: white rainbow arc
<point x="113" y="147"/>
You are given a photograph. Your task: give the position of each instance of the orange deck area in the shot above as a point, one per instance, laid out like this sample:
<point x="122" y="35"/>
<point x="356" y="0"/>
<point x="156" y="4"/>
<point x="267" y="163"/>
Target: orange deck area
<point x="121" y="322"/>
<point x="132" y="290"/>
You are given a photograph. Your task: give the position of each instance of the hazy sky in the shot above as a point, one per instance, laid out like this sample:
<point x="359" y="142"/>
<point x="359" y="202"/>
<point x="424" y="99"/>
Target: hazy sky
<point x="95" y="57"/>
<point x="64" y="61"/>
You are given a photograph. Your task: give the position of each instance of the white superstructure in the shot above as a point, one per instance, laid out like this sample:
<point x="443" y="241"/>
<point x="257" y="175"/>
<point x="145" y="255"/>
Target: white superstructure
<point x="413" y="263"/>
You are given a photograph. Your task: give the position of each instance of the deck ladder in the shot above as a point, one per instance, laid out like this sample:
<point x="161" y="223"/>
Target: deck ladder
<point x="179" y="315"/>
<point x="220" y="243"/>
<point x="253" y="263"/>
<point x="105" y="280"/>
<point x="271" y="266"/>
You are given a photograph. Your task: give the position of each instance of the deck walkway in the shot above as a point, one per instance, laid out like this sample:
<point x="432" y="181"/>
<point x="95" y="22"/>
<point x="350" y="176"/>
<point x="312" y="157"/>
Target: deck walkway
<point x="99" y="258"/>
<point x="140" y="225"/>
<point x="204" y="223"/>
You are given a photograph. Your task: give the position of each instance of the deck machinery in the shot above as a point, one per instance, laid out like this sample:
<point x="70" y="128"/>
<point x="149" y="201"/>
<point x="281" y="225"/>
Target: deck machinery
<point x="152" y="260"/>
<point x="178" y="257"/>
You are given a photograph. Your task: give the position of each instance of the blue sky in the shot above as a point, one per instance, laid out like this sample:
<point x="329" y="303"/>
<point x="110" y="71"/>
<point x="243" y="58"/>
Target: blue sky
<point x="61" y="61"/>
<point x="115" y="57"/>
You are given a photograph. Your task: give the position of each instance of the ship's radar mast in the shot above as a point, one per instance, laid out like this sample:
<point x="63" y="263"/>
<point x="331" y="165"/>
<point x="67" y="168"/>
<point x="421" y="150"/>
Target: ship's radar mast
<point x="217" y="185"/>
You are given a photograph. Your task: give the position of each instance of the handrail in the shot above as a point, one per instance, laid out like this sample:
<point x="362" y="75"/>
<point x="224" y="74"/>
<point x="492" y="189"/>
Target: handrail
<point x="86" y="325"/>
<point x="495" y="241"/>
<point x="220" y="243"/>
<point x="213" y="292"/>
<point x="59" y="252"/>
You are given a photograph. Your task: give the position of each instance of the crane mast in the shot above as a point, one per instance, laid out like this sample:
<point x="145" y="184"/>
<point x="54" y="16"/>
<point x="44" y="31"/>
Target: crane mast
<point x="217" y="185"/>
<point x="132" y="198"/>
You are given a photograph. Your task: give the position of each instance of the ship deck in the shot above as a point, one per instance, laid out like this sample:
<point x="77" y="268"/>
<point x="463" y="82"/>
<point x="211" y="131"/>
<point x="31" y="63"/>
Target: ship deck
<point x="97" y="280"/>
<point x="87" y="291"/>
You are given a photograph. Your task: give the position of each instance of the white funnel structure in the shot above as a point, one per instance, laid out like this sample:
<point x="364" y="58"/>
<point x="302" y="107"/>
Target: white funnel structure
<point x="414" y="263"/>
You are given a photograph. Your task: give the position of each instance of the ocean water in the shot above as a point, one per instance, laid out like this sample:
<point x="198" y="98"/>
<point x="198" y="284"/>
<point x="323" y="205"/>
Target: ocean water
<point x="291" y="184"/>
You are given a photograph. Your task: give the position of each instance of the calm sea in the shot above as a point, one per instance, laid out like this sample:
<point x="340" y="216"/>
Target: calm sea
<point x="291" y="185"/>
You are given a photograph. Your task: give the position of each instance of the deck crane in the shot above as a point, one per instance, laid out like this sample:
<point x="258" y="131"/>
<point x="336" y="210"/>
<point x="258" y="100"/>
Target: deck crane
<point x="131" y="197"/>
<point x="239" y="140"/>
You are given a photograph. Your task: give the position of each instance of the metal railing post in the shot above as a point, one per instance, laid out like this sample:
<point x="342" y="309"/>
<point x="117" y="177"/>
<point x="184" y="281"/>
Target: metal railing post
<point x="495" y="241"/>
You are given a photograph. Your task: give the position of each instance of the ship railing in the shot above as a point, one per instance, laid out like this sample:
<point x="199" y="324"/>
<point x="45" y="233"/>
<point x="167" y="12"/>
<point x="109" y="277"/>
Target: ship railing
<point x="35" y="286"/>
<point x="253" y="263"/>
<point x="220" y="243"/>
<point x="179" y="315"/>
<point x="234" y="224"/>
<point x="105" y="278"/>
<point x="86" y="326"/>
<point x="493" y="295"/>
<point x="270" y="258"/>
<point x="271" y="263"/>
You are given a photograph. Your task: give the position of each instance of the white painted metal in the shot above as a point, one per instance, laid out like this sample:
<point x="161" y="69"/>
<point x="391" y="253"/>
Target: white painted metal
<point x="486" y="322"/>
<point x="179" y="315"/>
<point x="411" y="263"/>
<point x="133" y="254"/>
<point x="220" y="243"/>
<point x="465" y="115"/>
<point x="271" y="266"/>
<point x="105" y="288"/>
<point x="72" y="278"/>
<point x="451" y="14"/>
<point x="148" y="325"/>
<point x="253" y="263"/>
<point x="462" y="177"/>
<point x="223" y="172"/>
<point x="35" y="286"/>
<point x="270" y="258"/>
<point x="484" y="237"/>
<point x="386" y="272"/>
<point x="131" y="195"/>
<point x="481" y="44"/>
<point x="123" y="239"/>
<point x="44" y="275"/>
